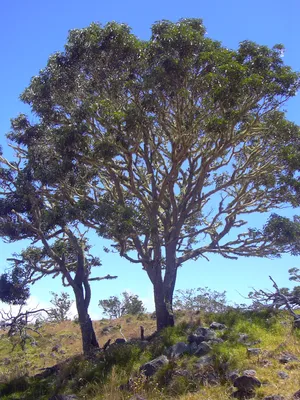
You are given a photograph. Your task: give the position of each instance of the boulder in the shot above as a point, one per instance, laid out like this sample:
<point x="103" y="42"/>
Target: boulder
<point x="246" y="383"/>
<point x="296" y="395"/>
<point x="249" y="372"/>
<point x="239" y="394"/>
<point x="217" y="326"/>
<point x="253" y="351"/>
<point x="206" y="332"/>
<point x="202" y="349"/>
<point x="153" y="366"/>
<point x="287" y="357"/>
<point x="283" y="375"/>
<point x="178" y="350"/>
<point x="274" y="397"/>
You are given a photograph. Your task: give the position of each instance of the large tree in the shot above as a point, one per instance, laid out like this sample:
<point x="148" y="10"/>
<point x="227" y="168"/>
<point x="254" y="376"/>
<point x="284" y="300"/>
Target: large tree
<point x="31" y="209"/>
<point x="168" y="145"/>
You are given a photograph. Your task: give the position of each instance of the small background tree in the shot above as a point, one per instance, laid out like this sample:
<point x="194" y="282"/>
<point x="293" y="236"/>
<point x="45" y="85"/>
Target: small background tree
<point x="200" y="299"/>
<point x="129" y="304"/>
<point x="62" y="305"/>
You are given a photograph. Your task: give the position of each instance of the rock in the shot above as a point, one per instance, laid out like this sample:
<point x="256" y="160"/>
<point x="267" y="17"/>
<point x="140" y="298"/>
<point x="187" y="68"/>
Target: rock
<point x="206" y="332"/>
<point x="202" y="349"/>
<point x="253" y="351"/>
<point x="246" y="383"/>
<point x="42" y="355"/>
<point x="239" y="394"/>
<point x="34" y="343"/>
<point x="153" y="366"/>
<point x="6" y="361"/>
<point x="137" y="397"/>
<point x="196" y="339"/>
<point x="119" y="341"/>
<point x="249" y="372"/>
<point x="297" y="323"/>
<point x="274" y="397"/>
<point x="287" y="357"/>
<point x="217" y="326"/>
<point x="214" y="341"/>
<point x="64" y="397"/>
<point x="296" y="395"/>
<point x="178" y="350"/>
<point x="56" y="348"/>
<point x="204" y="361"/>
<point x="232" y="376"/>
<point x="283" y="375"/>
<point x="243" y="337"/>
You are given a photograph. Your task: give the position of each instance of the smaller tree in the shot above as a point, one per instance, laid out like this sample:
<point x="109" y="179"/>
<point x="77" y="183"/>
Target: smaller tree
<point x="21" y="324"/>
<point x="62" y="305"/>
<point x="200" y="299"/>
<point x="111" y="307"/>
<point x="279" y="298"/>
<point x="129" y="304"/>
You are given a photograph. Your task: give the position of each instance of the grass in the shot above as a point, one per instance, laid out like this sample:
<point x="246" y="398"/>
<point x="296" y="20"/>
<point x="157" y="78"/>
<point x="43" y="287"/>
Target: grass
<point x="100" y="378"/>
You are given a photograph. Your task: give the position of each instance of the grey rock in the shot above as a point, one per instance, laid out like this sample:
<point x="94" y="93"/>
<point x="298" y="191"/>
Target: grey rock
<point x="178" y="350"/>
<point x="204" y="361"/>
<point x="217" y="326"/>
<point x="283" y="375"/>
<point x="287" y="357"/>
<point x="246" y="383"/>
<point x="153" y="366"/>
<point x="137" y="397"/>
<point x="64" y="397"/>
<point x="232" y="376"/>
<point x="297" y="323"/>
<point x="206" y="332"/>
<point x="42" y="355"/>
<point x="296" y="395"/>
<point x="243" y="337"/>
<point x="202" y="349"/>
<point x="215" y="341"/>
<point x="274" y="397"/>
<point x="6" y="361"/>
<point x="56" y="348"/>
<point x="249" y="372"/>
<point x="253" y="351"/>
<point x="239" y="394"/>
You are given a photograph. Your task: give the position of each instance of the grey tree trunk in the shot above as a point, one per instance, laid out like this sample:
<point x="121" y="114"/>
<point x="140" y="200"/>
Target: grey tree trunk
<point x="89" y="340"/>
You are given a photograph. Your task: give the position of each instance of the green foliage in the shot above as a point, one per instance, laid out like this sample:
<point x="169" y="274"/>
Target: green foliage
<point x="163" y="146"/>
<point x="62" y="305"/>
<point x="14" y="286"/>
<point x="128" y="304"/>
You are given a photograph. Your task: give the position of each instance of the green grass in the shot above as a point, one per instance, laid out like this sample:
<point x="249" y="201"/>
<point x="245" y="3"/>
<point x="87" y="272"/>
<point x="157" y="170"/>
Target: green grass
<point x="100" y="378"/>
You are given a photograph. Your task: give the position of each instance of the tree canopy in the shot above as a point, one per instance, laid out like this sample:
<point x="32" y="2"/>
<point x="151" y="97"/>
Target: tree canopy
<point x="166" y="146"/>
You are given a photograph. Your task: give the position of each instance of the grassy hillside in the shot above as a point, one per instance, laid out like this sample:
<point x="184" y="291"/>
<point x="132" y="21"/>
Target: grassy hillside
<point x="183" y="378"/>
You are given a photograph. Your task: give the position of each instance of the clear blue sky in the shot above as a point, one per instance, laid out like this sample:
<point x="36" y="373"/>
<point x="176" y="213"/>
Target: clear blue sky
<point x="31" y="30"/>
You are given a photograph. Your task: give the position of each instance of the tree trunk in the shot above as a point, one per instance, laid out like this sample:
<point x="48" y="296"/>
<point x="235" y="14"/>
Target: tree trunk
<point x="164" y="314"/>
<point x="164" y="289"/>
<point x="89" y="340"/>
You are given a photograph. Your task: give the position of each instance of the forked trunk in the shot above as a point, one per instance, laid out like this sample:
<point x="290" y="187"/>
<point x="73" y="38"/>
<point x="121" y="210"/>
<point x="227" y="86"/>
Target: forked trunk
<point x="164" y="290"/>
<point x="89" y="340"/>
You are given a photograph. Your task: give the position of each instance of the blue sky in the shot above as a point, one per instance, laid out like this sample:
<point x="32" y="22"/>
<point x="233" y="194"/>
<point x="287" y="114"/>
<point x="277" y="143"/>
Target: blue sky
<point x="31" y="30"/>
